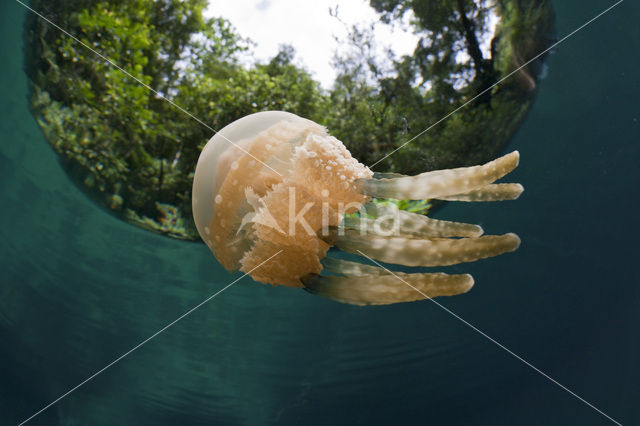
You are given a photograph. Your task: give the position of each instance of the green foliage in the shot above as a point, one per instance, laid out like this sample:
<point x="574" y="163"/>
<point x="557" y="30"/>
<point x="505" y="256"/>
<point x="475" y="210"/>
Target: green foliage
<point x="413" y="206"/>
<point x="132" y="150"/>
<point x="135" y="153"/>
<point x="448" y="72"/>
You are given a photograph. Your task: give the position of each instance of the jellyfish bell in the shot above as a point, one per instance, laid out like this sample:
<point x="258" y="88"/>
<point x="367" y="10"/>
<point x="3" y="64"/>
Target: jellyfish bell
<point x="274" y="186"/>
<point x="247" y="178"/>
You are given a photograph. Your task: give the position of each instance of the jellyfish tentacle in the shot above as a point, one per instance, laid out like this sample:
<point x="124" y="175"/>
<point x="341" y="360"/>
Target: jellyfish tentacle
<point x="387" y="288"/>
<point x="425" y="251"/>
<point x="387" y="175"/>
<point x="491" y="192"/>
<point x="349" y="268"/>
<point x="421" y="225"/>
<point x="439" y="183"/>
<point x="411" y="225"/>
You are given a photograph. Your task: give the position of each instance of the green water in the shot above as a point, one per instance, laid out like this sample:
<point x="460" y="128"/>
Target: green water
<point x="78" y="288"/>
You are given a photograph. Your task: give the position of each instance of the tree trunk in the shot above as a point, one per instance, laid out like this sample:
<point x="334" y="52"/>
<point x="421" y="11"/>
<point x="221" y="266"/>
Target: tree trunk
<point x="473" y="47"/>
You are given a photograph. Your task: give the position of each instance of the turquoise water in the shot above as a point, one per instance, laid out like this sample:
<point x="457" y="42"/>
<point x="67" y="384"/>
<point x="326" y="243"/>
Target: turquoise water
<point x="78" y="288"/>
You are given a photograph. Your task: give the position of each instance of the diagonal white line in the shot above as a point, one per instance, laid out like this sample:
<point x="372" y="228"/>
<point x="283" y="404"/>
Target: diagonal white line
<point x="499" y="81"/>
<point x="145" y="341"/>
<point x="494" y="341"/>
<point x="151" y="89"/>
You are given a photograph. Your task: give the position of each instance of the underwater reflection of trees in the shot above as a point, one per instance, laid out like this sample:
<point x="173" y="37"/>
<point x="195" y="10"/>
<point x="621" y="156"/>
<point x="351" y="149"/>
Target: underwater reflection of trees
<point x="135" y="154"/>
<point x="447" y="69"/>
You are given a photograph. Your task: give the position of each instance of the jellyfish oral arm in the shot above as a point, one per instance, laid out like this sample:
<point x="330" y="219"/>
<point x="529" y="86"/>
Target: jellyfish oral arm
<point x="409" y="224"/>
<point x="417" y="240"/>
<point x="491" y="192"/>
<point x="376" y="286"/>
<point x="425" y="251"/>
<point x="472" y="182"/>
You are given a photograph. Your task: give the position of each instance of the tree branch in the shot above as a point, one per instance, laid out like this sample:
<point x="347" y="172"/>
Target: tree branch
<point x="473" y="47"/>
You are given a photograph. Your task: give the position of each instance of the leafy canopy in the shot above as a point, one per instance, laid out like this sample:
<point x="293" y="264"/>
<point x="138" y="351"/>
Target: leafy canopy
<point x="135" y="153"/>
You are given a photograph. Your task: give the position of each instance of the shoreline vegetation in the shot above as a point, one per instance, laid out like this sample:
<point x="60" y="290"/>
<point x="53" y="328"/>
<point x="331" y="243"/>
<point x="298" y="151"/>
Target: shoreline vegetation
<point x="134" y="154"/>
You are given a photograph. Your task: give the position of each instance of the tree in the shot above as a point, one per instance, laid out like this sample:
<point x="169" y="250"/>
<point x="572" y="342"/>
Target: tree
<point x="135" y="153"/>
<point x="447" y="70"/>
<point x="132" y="150"/>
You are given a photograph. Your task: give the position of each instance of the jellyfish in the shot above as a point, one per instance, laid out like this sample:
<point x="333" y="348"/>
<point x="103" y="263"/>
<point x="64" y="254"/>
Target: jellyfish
<point x="274" y="186"/>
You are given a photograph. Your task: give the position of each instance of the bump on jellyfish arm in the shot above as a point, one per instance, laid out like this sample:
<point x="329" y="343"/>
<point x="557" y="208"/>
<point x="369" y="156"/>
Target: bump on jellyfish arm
<point x="245" y="213"/>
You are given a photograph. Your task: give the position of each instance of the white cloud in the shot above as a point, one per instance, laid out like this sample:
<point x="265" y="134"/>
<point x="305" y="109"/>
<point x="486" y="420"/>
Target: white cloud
<point x="308" y="26"/>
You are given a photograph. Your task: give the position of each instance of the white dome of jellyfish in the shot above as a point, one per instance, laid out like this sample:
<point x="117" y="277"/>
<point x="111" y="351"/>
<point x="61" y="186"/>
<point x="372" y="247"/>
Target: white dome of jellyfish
<point x="274" y="186"/>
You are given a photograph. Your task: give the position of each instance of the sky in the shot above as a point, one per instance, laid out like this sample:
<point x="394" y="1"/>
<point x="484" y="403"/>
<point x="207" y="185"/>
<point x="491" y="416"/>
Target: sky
<point x="308" y="26"/>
